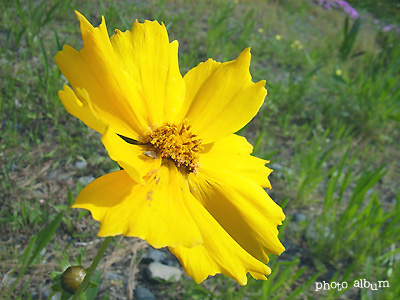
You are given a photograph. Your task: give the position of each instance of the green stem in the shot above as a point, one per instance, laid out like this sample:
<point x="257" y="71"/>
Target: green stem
<point x="92" y="267"/>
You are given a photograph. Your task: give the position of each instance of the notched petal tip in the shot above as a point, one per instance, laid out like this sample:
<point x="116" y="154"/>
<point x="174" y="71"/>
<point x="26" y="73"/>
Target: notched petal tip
<point x="262" y="83"/>
<point x="86" y="25"/>
<point x="261" y="86"/>
<point x="58" y="58"/>
<point x="83" y="21"/>
<point x="283" y="249"/>
<point x="68" y="92"/>
<point x="244" y="58"/>
<point x="247" y="51"/>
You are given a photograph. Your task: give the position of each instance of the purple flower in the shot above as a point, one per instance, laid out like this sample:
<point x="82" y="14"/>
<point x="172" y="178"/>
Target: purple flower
<point x="387" y="28"/>
<point x="347" y="8"/>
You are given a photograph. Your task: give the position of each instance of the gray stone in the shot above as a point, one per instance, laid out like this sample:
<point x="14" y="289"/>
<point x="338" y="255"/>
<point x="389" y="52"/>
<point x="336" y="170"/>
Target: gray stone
<point x="154" y="255"/>
<point x="11" y="124"/>
<point x="81" y="164"/>
<point x="85" y="180"/>
<point x="275" y="167"/>
<point x="63" y="176"/>
<point x="45" y="293"/>
<point x="299" y="217"/>
<point x="141" y="293"/>
<point x="58" y="175"/>
<point x="168" y="262"/>
<point x="279" y="170"/>
<point x="158" y="271"/>
<point x="312" y="234"/>
<point x="109" y="276"/>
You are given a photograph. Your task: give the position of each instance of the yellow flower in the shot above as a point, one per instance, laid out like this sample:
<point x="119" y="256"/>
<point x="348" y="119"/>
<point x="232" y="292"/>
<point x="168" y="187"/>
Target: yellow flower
<point x="260" y="30"/>
<point x="188" y="182"/>
<point x="296" y="44"/>
<point x="278" y="37"/>
<point x="339" y="72"/>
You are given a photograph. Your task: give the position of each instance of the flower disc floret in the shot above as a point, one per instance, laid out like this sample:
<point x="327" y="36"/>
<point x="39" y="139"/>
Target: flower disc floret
<point x="178" y="143"/>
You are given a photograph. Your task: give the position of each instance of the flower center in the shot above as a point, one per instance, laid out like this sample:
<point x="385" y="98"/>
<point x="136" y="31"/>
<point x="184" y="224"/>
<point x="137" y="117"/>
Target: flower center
<point x="178" y="143"/>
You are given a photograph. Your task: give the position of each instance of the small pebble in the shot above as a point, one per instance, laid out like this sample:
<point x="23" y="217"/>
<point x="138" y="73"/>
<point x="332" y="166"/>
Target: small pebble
<point x="154" y="255"/>
<point x="299" y="217"/>
<point x="85" y="180"/>
<point x="81" y="164"/>
<point x="141" y="293"/>
<point x="158" y="271"/>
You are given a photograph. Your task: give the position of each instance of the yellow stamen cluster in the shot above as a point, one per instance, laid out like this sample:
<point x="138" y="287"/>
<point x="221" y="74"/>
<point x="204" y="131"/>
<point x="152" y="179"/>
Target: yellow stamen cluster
<point x="178" y="143"/>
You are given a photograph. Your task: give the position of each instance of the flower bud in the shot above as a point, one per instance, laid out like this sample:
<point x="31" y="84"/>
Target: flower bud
<point x="72" y="278"/>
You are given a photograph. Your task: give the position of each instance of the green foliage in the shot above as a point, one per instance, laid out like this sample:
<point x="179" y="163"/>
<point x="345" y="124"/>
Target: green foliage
<point x="310" y="160"/>
<point x="369" y="101"/>
<point x="341" y="226"/>
<point x="384" y="10"/>
<point x="349" y="37"/>
<point x="32" y="251"/>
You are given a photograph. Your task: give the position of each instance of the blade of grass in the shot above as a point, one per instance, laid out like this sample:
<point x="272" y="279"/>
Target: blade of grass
<point x="32" y="251"/>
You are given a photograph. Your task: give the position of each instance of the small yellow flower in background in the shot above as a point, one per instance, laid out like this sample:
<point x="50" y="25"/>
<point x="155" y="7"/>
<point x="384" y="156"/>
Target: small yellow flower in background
<point x="339" y="72"/>
<point x="296" y="44"/>
<point x="260" y="30"/>
<point x="188" y="182"/>
<point x="278" y="37"/>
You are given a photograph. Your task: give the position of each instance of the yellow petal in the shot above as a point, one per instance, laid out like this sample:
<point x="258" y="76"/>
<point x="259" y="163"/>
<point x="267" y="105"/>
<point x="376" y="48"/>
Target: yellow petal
<point x="219" y="253"/>
<point x="242" y="208"/>
<point x="154" y="212"/>
<point x="80" y="108"/>
<point x="115" y="98"/>
<point x="152" y="62"/>
<point x="221" y="98"/>
<point x="132" y="158"/>
<point x="231" y="155"/>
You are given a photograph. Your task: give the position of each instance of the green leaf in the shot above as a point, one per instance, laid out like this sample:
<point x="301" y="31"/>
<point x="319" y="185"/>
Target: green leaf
<point x="65" y="295"/>
<point x="64" y="264"/>
<point x="53" y="275"/>
<point x="349" y="38"/>
<point x="92" y="284"/>
<point x="78" y="260"/>
<point x="36" y="244"/>
<point x="70" y="197"/>
<point x="56" y="287"/>
<point x="92" y="290"/>
<point x="43" y="238"/>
